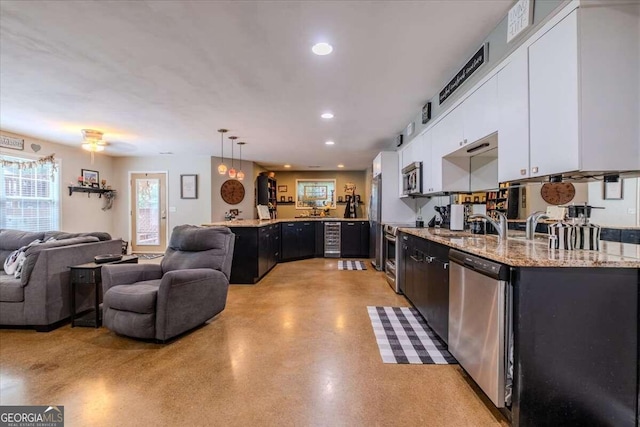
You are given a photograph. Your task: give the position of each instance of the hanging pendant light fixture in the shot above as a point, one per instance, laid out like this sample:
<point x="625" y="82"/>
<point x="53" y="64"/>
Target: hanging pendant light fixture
<point x="232" y="171"/>
<point x="240" y="174"/>
<point x="222" y="168"/>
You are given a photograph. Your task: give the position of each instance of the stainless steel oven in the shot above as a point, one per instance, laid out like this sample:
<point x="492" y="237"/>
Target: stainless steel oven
<point x="391" y="253"/>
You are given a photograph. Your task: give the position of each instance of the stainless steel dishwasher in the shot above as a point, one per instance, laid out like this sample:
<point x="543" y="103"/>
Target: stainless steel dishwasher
<point x="480" y="323"/>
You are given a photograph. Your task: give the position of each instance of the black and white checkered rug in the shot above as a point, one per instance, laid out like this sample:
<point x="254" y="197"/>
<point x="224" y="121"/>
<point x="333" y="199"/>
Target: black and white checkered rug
<point x="351" y="265"/>
<point x="404" y="337"/>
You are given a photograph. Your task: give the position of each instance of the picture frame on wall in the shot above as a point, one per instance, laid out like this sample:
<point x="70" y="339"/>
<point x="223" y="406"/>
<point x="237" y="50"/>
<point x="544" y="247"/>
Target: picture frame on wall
<point x="282" y="188"/>
<point x="282" y="198"/>
<point x="612" y="190"/>
<point x="188" y="186"/>
<point x="90" y="176"/>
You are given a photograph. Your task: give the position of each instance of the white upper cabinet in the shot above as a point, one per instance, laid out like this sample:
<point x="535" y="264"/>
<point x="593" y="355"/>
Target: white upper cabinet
<point x="448" y="133"/>
<point x="475" y="118"/>
<point x="583" y="93"/>
<point x="480" y="112"/>
<point x="513" y="119"/>
<point x="426" y="159"/>
<point x="553" y="100"/>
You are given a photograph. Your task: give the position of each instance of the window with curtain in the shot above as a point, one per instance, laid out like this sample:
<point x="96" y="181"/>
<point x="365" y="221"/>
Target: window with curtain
<point x="29" y="198"/>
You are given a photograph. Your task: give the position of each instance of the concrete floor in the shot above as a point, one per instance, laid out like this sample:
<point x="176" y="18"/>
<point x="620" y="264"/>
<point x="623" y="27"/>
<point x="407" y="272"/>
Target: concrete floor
<point x="296" y="349"/>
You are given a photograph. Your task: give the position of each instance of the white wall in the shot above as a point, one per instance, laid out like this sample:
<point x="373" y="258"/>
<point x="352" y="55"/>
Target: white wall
<point x="181" y="211"/>
<point x="247" y="207"/>
<point x="623" y="212"/>
<point x="616" y="213"/>
<point x="78" y="212"/>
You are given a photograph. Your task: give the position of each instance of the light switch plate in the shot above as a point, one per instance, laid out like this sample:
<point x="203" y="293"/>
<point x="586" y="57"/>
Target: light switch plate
<point x="172" y="208"/>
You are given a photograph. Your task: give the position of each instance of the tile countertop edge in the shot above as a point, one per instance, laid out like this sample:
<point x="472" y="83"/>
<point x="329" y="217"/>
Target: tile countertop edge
<point x="265" y="222"/>
<point x="523" y="253"/>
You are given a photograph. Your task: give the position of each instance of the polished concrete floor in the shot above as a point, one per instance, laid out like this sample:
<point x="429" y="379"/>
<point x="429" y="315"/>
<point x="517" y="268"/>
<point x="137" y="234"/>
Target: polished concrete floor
<point x="296" y="349"/>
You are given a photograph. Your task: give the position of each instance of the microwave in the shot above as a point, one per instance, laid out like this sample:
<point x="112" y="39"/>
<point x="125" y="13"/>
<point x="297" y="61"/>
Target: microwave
<point x="412" y="179"/>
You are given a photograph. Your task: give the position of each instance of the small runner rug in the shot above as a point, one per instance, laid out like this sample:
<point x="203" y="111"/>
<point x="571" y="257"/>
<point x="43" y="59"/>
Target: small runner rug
<point x="351" y="265"/>
<point x="404" y="337"/>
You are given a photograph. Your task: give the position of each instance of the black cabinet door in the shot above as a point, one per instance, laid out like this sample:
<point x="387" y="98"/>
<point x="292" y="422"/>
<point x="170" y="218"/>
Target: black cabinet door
<point x="364" y="239"/>
<point x="319" y="252"/>
<point x="306" y="239"/>
<point x="275" y="245"/>
<point x="264" y="249"/>
<point x="289" y="241"/>
<point x="412" y="272"/>
<point x="244" y="267"/>
<point x="401" y="263"/>
<point x="438" y="298"/>
<point x="421" y="277"/>
<point x="350" y="239"/>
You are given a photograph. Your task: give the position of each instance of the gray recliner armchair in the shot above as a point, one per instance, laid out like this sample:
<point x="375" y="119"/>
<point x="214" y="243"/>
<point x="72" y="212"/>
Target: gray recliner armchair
<point x="152" y="301"/>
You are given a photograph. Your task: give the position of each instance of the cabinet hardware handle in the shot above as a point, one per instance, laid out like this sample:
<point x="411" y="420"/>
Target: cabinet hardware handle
<point x="445" y="265"/>
<point x="534" y="169"/>
<point x="465" y="141"/>
<point x="414" y="258"/>
<point x="460" y="143"/>
<point x="405" y="238"/>
<point x="430" y="259"/>
<point x="523" y="171"/>
<point x="350" y="223"/>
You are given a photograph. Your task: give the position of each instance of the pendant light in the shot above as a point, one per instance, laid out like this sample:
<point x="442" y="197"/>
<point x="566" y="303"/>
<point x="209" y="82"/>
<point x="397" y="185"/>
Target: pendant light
<point x="240" y="174"/>
<point x="222" y="168"/>
<point x="232" y="171"/>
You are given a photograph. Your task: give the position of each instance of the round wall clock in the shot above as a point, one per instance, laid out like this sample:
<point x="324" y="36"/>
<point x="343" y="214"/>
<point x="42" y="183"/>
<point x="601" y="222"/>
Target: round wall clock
<point x="232" y="191"/>
<point x="558" y="193"/>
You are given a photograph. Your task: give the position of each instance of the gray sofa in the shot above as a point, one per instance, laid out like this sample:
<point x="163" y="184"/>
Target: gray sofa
<point x="41" y="297"/>
<point x="152" y="301"/>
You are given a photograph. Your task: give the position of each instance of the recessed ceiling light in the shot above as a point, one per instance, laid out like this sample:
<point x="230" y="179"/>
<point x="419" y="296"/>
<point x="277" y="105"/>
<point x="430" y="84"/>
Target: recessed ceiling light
<point x="327" y="116"/>
<point x="287" y="166"/>
<point x="330" y="143"/>
<point x="340" y="166"/>
<point x="322" y="49"/>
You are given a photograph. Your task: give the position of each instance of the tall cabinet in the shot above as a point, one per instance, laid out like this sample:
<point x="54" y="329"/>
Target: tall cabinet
<point x="267" y="193"/>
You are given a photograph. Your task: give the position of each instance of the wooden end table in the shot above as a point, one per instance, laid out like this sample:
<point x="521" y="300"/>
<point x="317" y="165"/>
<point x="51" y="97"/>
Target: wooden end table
<point x="91" y="274"/>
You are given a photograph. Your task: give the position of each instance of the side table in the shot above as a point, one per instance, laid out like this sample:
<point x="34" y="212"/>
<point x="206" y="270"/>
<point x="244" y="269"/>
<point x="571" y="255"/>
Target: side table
<point x="91" y="274"/>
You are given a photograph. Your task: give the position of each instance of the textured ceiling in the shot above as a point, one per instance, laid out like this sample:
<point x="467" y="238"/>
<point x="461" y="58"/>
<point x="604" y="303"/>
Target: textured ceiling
<point x="164" y="75"/>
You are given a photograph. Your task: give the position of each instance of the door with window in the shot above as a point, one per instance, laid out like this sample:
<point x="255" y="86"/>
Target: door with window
<point x="148" y="212"/>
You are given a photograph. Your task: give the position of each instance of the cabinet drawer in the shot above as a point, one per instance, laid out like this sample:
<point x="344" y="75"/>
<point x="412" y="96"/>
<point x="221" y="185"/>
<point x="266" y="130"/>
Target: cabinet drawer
<point x="86" y="276"/>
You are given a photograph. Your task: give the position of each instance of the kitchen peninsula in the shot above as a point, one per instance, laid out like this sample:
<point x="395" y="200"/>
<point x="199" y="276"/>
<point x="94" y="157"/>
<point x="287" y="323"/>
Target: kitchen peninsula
<point x="261" y="244"/>
<point x="573" y="349"/>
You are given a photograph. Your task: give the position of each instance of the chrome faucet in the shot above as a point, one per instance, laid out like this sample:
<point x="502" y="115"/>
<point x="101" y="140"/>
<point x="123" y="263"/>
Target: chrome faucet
<point x="500" y="225"/>
<point x="532" y="221"/>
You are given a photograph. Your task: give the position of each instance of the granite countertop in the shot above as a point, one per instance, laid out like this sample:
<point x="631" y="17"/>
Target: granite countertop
<point x="517" y="252"/>
<point x="264" y="222"/>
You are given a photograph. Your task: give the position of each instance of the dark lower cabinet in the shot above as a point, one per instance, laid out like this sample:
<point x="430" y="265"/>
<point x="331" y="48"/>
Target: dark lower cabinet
<point x="297" y="240"/>
<point x="424" y="280"/>
<point x="268" y="248"/>
<point x="255" y="252"/>
<point x="354" y="239"/>
<point x="576" y="347"/>
<point x="576" y="336"/>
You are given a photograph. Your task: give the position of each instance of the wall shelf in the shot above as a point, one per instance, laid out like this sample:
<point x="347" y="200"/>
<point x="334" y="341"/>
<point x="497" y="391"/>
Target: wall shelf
<point x="89" y="190"/>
